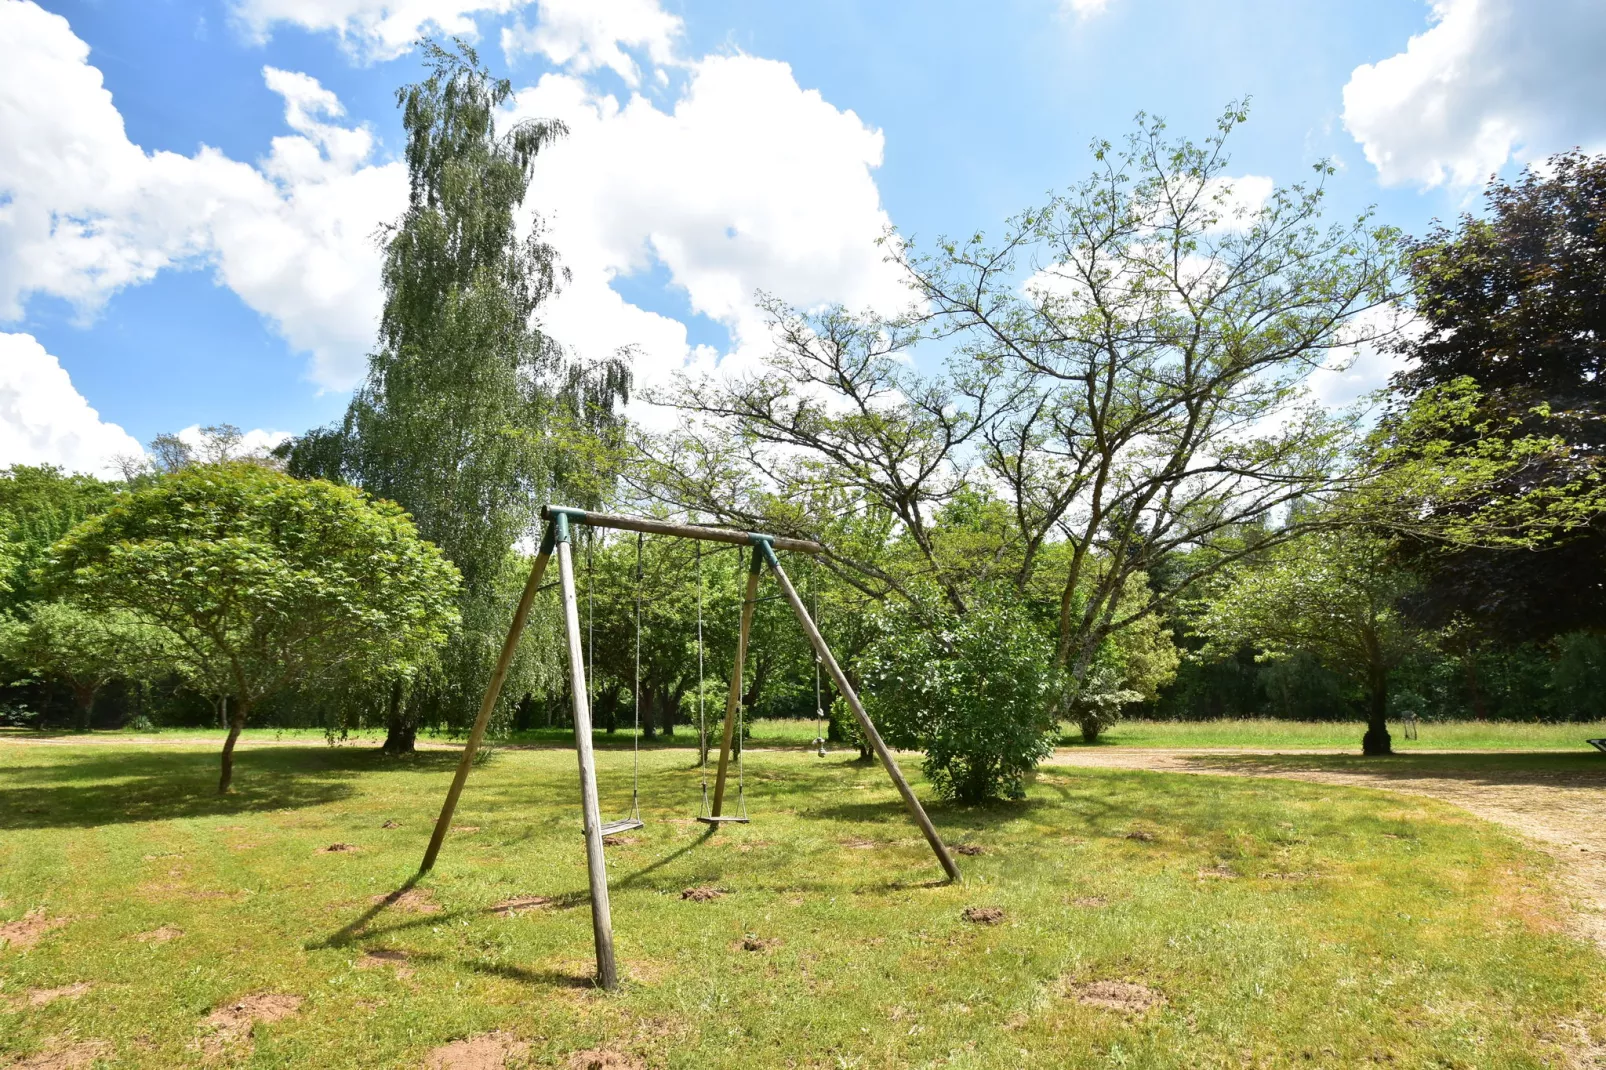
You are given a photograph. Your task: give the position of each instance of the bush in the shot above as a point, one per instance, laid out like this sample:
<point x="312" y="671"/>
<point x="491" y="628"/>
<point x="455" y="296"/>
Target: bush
<point x="973" y="692"/>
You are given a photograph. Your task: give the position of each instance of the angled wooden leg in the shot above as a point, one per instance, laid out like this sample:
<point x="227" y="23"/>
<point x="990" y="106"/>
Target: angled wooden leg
<point x="596" y="866"/>
<point x="888" y="763"/>
<point x="734" y="700"/>
<point x="493" y="690"/>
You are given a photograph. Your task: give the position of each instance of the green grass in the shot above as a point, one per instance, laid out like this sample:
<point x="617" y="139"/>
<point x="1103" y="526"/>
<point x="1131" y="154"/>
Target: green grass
<point x="1254" y="732"/>
<point x="1248" y="732"/>
<point x="1286" y="924"/>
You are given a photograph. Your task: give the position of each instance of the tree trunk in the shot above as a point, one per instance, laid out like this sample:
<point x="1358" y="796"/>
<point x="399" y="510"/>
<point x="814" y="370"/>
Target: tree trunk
<point x="84" y="698"/>
<point x="236" y="723"/>
<point x="1480" y="709"/>
<point x="401" y="734"/>
<point x="1376" y="742"/>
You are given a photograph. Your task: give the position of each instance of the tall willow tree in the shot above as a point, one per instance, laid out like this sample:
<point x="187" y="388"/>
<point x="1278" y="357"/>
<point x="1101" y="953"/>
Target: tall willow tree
<point x="470" y="416"/>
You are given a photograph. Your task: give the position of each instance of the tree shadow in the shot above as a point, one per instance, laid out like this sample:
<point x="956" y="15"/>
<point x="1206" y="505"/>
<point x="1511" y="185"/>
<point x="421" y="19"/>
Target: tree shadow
<point x="85" y="790"/>
<point x="1580" y="771"/>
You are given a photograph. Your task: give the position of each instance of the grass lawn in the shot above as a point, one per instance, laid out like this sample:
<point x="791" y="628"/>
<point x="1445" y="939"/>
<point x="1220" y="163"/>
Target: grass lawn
<point x="1255" y="732"/>
<point x="1147" y="920"/>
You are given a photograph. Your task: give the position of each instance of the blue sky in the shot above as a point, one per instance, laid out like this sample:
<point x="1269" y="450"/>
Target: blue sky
<point x="184" y="238"/>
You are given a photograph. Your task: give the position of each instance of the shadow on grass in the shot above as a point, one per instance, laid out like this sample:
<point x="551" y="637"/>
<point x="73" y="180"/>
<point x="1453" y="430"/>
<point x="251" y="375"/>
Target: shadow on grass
<point x="91" y="788"/>
<point x="1493" y="769"/>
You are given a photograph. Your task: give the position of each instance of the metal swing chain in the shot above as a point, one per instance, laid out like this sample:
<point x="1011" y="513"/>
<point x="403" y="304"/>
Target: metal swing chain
<point x="635" y="742"/>
<point x="702" y="722"/>
<point x="819" y="710"/>
<point x="741" y="729"/>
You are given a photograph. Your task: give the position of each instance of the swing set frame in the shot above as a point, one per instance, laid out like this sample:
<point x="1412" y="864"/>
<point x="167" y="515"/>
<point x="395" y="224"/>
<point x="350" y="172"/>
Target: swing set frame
<point x="556" y="541"/>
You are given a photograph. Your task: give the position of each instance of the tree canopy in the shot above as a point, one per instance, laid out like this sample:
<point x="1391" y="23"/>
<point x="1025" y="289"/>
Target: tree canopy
<point x="263" y="581"/>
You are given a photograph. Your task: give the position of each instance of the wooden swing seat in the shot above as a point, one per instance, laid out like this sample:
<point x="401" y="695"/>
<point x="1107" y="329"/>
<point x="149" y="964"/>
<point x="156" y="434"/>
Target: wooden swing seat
<point x="723" y="820"/>
<point x="629" y="824"/>
<point x="1598" y="744"/>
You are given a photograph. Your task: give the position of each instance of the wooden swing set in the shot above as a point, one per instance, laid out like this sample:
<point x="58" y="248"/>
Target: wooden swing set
<point x="556" y="539"/>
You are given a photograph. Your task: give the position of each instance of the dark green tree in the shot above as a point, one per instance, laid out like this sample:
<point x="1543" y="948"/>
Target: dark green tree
<point x="470" y="416"/>
<point x="1515" y="302"/>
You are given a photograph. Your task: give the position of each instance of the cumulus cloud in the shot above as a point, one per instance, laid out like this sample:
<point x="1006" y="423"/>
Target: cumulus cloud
<point x="371" y="29"/>
<point x="745" y="181"/>
<point x="748" y="182"/>
<point x="1488" y="81"/>
<point x="43" y="418"/>
<point x="85" y="212"/>
<point x="585" y="35"/>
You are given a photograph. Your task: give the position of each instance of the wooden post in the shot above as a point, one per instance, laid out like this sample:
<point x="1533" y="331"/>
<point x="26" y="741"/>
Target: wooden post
<point x="916" y="811"/>
<point x="734" y="700"/>
<point x="493" y="690"/>
<point x="596" y="865"/>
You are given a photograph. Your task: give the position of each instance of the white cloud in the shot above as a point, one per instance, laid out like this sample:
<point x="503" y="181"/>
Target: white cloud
<point x="1238" y="201"/>
<point x="43" y="418"/>
<point x="253" y="443"/>
<point x="1083" y="9"/>
<point x="371" y="29"/>
<point x="1488" y="81"/>
<point x="585" y="35"/>
<point x="85" y="212"/>
<point x="747" y="183"/>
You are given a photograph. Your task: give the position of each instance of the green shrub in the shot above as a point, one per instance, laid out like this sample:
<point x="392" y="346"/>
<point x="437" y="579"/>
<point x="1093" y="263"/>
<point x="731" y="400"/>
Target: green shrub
<point x="973" y="692"/>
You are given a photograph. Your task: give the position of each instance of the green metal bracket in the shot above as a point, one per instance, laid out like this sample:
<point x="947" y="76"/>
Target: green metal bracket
<point x="560" y="527"/>
<point x="763" y="552"/>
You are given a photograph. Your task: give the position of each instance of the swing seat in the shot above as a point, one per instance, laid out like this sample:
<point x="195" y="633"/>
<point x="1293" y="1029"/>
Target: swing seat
<point x="723" y="820"/>
<point x="629" y="824"/>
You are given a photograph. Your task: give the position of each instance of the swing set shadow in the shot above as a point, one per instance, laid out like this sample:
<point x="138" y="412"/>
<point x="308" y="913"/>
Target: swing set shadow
<point x="556" y="542"/>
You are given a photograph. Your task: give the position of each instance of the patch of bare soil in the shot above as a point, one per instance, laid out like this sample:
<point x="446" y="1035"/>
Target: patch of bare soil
<point x="160" y="936"/>
<point x="233" y="1024"/>
<point x="22" y="934"/>
<point x="702" y="893"/>
<point x="392" y="824"/>
<point x="490" y="1051"/>
<point x="756" y="943"/>
<point x="1123" y="996"/>
<point x="982" y="915"/>
<point x="62" y="1054"/>
<point x="1142" y="836"/>
<point x="1561" y="812"/>
<point x="966" y="848"/>
<point x="38" y="997"/>
<point x="465" y="828"/>
<point x="1218" y="872"/>
<point x="1089" y="901"/>
<point x="618" y="841"/>
<point x="603" y="1059"/>
<point x="378" y="958"/>
<point x="338" y="849"/>
<point x="412" y="901"/>
<point x="521" y="904"/>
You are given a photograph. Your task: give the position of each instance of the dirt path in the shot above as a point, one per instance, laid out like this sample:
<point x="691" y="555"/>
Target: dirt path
<point x="1562" y="812"/>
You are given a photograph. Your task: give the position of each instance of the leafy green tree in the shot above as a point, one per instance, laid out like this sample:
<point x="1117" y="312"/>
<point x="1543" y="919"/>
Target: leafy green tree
<point x="972" y="695"/>
<point x="1129" y="366"/>
<point x="1332" y="595"/>
<point x="265" y="582"/>
<point x="1514" y="302"/>
<point x="470" y="416"/>
<point x="86" y="649"/>
<point x="38" y="505"/>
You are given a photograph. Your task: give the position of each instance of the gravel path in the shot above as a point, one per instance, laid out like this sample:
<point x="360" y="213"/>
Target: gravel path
<point x="1563" y="813"/>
